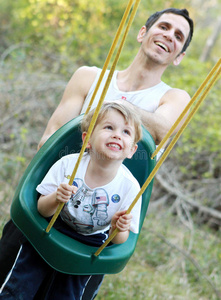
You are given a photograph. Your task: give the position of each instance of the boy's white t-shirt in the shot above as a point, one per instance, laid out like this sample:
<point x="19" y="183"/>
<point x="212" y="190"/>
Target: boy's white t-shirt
<point x="89" y="211"/>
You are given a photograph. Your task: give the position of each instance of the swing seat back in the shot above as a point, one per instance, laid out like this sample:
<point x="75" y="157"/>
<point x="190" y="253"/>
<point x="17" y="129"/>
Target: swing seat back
<point x="61" y="252"/>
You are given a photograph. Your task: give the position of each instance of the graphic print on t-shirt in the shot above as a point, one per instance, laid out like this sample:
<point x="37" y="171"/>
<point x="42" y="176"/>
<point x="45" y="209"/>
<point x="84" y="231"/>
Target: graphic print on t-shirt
<point x="85" y="208"/>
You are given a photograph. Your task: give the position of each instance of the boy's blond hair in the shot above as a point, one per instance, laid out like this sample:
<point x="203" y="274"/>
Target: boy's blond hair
<point x="129" y="115"/>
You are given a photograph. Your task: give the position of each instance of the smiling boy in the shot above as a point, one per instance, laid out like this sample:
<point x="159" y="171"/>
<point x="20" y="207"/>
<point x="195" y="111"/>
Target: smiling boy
<point x="95" y="204"/>
<point x="114" y="138"/>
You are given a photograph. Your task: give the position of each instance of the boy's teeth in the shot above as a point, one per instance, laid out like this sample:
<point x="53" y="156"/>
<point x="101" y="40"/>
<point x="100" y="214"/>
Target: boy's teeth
<point x="114" y="145"/>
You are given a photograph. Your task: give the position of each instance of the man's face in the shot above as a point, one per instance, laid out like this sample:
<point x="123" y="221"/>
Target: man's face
<point x="164" y="41"/>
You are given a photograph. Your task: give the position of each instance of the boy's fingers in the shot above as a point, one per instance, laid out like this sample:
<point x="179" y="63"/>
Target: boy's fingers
<point x="126" y="217"/>
<point x="125" y="220"/>
<point x="123" y="227"/>
<point x="67" y="186"/>
<point x="67" y="189"/>
<point x="121" y="213"/>
<point x="74" y="189"/>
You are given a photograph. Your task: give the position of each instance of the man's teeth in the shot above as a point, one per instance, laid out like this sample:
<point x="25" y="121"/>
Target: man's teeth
<point x="162" y="46"/>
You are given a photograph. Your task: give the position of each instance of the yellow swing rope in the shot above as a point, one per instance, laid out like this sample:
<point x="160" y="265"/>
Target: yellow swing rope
<point x="111" y="51"/>
<point x="94" y="118"/>
<point x="184" y="112"/>
<point x="214" y="72"/>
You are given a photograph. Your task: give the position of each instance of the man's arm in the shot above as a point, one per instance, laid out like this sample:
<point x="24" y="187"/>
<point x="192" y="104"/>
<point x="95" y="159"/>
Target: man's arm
<point x="171" y="106"/>
<point x="71" y="102"/>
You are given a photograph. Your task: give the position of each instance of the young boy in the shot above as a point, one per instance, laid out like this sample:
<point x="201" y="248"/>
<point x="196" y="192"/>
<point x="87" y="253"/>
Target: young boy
<point x="95" y="204"/>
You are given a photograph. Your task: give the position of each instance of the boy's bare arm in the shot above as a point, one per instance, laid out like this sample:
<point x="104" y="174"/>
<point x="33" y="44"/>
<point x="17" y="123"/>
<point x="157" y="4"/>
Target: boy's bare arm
<point x="122" y="221"/>
<point x="47" y="205"/>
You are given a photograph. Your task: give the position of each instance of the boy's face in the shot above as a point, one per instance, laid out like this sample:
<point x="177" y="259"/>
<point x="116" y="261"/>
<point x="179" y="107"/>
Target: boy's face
<point x="165" y="39"/>
<point x="112" y="138"/>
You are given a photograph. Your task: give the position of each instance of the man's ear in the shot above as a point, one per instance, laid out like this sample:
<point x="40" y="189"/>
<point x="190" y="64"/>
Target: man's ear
<point x="141" y="34"/>
<point x="83" y="138"/>
<point x="132" y="151"/>
<point x="179" y="58"/>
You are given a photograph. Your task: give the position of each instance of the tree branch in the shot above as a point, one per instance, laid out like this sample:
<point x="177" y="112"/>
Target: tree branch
<point x="182" y="195"/>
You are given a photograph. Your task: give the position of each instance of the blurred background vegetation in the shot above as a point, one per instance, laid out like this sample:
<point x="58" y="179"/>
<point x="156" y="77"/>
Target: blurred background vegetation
<point x="42" y="42"/>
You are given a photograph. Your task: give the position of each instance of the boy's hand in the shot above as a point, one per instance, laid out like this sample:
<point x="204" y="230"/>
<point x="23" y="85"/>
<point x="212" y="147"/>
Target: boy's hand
<point x="64" y="192"/>
<point x="121" y="220"/>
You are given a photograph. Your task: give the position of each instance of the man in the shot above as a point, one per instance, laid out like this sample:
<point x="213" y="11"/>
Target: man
<point x="163" y="39"/>
<point x="162" y="43"/>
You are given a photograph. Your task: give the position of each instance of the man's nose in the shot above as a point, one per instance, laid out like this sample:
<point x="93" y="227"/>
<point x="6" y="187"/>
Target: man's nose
<point x="169" y="35"/>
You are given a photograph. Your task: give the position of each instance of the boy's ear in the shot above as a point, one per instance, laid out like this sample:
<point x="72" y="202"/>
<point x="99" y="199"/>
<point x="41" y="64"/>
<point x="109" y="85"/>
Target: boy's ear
<point x="132" y="151"/>
<point x="83" y="138"/>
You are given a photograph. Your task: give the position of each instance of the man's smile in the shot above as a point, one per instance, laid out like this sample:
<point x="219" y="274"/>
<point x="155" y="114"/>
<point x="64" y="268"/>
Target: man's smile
<point x="163" y="46"/>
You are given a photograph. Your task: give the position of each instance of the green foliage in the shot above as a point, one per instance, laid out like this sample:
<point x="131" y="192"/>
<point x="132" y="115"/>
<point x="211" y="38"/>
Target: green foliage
<point x="80" y="29"/>
<point x="199" y="145"/>
<point x="160" y="270"/>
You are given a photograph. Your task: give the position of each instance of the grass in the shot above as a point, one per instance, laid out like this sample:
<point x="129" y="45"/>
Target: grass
<point x="170" y="262"/>
<point x="163" y="268"/>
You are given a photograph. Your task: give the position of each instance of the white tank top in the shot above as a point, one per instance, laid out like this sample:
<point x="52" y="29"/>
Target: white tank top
<point x="147" y="99"/>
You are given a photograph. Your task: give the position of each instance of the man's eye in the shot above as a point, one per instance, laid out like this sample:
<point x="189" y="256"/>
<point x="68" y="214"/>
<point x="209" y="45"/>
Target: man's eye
<point x="178" y="37"/>
<point x="163" y="27"/>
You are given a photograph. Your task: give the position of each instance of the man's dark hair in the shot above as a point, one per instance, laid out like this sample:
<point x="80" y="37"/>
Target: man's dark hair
<point x="182" y="12"/>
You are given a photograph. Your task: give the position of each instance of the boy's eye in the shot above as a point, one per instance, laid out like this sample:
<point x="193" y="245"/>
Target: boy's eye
<point x="127" y="131"/>
<point x="108" y="127"/>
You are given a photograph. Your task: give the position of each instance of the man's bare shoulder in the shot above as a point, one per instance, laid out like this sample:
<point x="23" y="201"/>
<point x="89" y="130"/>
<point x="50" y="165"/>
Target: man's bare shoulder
<point x="81" y="81"/>
<point x="177" y="95"/>
<point x="86" y="72"/>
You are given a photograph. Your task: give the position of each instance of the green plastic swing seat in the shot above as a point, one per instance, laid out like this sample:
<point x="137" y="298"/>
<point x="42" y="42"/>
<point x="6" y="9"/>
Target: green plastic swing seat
<point x="61" y="252"/>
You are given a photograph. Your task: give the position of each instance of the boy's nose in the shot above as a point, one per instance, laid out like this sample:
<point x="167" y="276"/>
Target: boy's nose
<point x="116" y="135"/>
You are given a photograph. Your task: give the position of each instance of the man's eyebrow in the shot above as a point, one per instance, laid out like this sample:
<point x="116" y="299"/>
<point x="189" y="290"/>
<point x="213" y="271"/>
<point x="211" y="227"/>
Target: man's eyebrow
<point x="169" y="25"/>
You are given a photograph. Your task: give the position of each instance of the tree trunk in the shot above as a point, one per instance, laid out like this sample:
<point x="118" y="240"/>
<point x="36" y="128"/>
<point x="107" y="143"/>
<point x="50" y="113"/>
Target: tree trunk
<point x="211" y="41"/>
